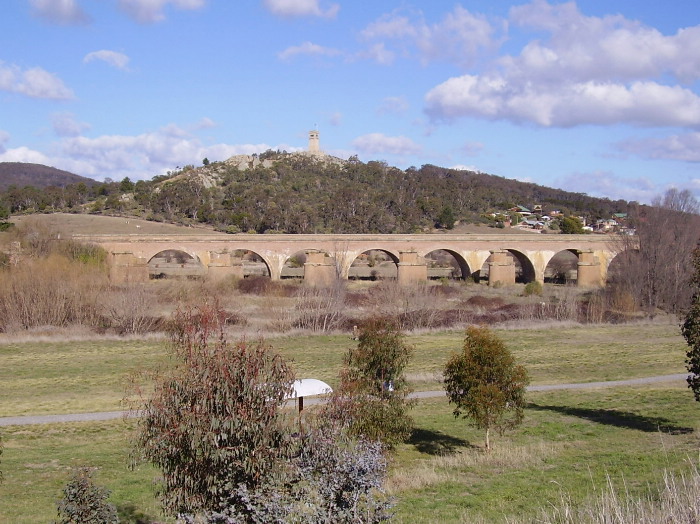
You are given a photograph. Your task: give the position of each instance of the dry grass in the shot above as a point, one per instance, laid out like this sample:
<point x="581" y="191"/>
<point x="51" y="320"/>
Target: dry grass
<point x="456" y="466"/>
<point x="676" y="501"/>
<point x="69" y="224"/>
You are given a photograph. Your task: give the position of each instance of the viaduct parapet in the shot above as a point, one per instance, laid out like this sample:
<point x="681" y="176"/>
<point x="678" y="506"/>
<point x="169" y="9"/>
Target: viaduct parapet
<point x="330" y="257"/>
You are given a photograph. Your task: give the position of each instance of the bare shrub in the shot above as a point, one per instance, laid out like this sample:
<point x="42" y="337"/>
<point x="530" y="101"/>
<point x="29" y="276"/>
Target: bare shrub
<point x="130" y="310"/>
<point x="53" y="291"/>
<point x="320" y="309"/>
<point x="594" y="308"/>
<point x="485" y="302"/>
<point x="261" y="285"/>
<point x="566" y="306"/>
<point x="256" y="285"/>
<point x="36" y="237"/>
<point x="413" y="307"/>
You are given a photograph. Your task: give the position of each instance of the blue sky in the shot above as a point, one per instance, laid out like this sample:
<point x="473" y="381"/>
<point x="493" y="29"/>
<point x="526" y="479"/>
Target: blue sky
<point x="600" y="97"/>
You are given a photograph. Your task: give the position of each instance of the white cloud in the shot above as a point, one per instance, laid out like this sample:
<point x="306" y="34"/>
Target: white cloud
<point x="567" y="104"/>
<point x="24" y="154"/>
<point x="138" y="157"/>
<point x="150" y="11"/>
<point x="307" y="48"/>
<point x="458" y="38"/>
<point x="464" y="167"/>
<point x="599" y="48"/>
<point x="685" y="147"/>
<point x="608" y="184"/>
<point x="300" y="8"/>
<point x="580" y="70"/>
<point x="393" y="105"/>
<point x="35" y="83"/>
<point x="378" y="143"/>
<point x="113" y="58"/>
<point x="65" y="124"/>
<point x="65" y="12"/>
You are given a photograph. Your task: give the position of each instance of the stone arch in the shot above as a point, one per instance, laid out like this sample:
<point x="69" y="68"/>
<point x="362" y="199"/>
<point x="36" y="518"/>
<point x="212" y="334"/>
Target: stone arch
<point x="373" y="264"/>
<point x="253" y="263"/>
<point x="175" y="263"/>
<point x="562" y="267"/>
<point x="458" y="266"/>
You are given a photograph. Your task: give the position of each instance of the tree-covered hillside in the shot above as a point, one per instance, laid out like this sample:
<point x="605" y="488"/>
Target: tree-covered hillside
<point x="21" y="174"/>
<point x="302" y="193"/>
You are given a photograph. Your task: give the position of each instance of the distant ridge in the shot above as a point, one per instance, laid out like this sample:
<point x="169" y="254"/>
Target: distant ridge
<point x="23" y="174"/>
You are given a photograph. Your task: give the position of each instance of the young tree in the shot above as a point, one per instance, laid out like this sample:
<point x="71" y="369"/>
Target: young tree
<point x="84" y="502"/>
<point x="372" y="398"/>
<point x="213" y="422"/>
<point x="485" y="384"/>
<point x="691" y="330"/>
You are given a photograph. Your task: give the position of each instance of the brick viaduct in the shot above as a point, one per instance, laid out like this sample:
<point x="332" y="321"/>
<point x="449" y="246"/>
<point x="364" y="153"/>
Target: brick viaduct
<point x="329" y="257"/>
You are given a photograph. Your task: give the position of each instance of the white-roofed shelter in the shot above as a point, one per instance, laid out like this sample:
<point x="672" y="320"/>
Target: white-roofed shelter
<point x="309" y="387"/>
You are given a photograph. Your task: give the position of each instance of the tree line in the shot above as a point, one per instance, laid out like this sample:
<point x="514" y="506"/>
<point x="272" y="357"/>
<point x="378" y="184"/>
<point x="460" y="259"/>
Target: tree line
<point x="295" y="193"/>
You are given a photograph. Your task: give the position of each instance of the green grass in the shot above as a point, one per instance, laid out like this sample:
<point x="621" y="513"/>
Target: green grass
<point x="569" y="443"/>
<point x="82" y="376"/>
<point x="38" y="461"/>
<point x="568" y="446"/>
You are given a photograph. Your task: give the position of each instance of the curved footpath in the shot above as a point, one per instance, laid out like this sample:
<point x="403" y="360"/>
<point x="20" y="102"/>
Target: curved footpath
<point x="110" y="415"/>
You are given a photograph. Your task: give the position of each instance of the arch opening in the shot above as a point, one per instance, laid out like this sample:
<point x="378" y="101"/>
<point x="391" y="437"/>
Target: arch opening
<point x="252" y="263"/>
<point x="173" y="263"/>
<point x="562" y="268"/>
<point x="374" y="264"/>
<point x="445" y="263"/>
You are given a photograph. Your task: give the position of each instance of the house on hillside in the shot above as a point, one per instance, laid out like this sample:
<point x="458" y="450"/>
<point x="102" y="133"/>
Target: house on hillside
<point x="520" y="209"/>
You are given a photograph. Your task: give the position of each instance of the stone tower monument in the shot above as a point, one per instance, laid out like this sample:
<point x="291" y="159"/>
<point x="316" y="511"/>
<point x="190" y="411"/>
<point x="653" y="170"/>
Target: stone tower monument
<point x="314" y="146"/>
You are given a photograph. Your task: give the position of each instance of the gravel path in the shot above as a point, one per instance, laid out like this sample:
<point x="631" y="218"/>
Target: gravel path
<point x="110" y="415"/>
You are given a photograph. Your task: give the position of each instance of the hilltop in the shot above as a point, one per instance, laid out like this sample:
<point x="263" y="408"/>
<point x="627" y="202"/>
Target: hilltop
<point x="312" y="193"/>
<point x="23" y="174"/>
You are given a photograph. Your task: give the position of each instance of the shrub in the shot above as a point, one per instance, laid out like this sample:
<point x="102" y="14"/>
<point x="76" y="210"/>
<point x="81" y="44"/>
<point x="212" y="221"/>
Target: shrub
<point x="533" y="288"/>
<point x="213" y="421"/>
<point x="255" y="285"/>
<point x="372" y="398"/>
<point x="53" y="291"/>
<point x="84" y="502"/>
<point x="320" y="309"/>
<point x="130" y="310"/>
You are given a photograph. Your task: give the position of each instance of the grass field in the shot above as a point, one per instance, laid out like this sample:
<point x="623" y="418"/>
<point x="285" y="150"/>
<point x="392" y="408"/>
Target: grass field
<point x="76" y="376"/>
<point x="569" y="443"/>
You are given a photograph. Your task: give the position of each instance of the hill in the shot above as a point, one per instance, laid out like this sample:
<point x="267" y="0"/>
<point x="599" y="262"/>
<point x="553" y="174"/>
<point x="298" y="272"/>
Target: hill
<point x="279" y="192"/>
<point x="23" y="174"/>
